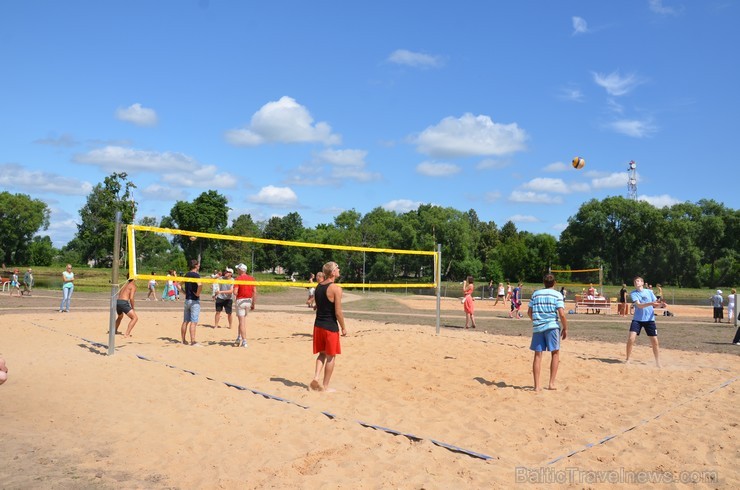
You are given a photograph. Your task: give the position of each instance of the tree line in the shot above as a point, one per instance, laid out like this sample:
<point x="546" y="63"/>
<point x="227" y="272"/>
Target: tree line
<point x="684" y="245"/>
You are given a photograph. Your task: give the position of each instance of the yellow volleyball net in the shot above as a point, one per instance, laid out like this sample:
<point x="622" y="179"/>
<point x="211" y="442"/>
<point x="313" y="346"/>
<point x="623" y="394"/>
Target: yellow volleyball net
<point x="135" y="273"/>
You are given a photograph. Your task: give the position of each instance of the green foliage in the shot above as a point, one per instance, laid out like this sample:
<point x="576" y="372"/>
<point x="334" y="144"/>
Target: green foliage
<point x="20" y="219"/>
<point x="94" y="239"/>
<point x="208" y="213"/>
<point x="41" y="251"/>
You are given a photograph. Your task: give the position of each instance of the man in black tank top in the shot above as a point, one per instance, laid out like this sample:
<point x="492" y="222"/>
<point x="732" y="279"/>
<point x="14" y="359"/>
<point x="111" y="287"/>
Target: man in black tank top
<point x="329" y="320"/>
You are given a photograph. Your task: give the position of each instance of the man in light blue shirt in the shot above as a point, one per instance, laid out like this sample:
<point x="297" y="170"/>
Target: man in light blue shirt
<point x="546" y="307"/>
<point x="644" y="302"/>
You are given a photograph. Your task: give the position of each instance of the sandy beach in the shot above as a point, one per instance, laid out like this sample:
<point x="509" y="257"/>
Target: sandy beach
<point x="413" y="409"/>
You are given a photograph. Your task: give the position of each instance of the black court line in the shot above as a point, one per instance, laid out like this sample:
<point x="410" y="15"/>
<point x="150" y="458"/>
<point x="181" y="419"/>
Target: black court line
<point x="641" y="423"/>
<point x="449" y="447"/>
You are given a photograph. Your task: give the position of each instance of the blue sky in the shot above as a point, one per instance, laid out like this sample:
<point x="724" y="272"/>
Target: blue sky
<point x="320" y="107"/>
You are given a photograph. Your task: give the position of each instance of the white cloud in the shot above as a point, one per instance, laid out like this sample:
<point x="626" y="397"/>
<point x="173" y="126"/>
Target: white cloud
<point x="633" y="127"/>
<point x="615" y="84"/>
<point x="490" y="163"/>
<point x="660" y="201"/>
<point x="136" y="114"/>
<point x="580" y="187"/>
<point x="470" y="135"/>
<point x="347" y="164"/>
<point x="534" y="197"/>
<point x="557" y="167"/>
<point x="579" y="25"/>
<point x="611" y="181"/>
<point x="64" y="140"/>
<point x="658" y="7"/>
<point x="614" y="106"/>
<point x="559" y="226"/>
<point x="203" y="177"/>
<point x="523" y="218"/>
<point x="282" y="121"/>
<point x="120" y="159"/>
<point x="15" y="178"/>
<point x="402" y="205"/>
<point x="275" y="196"/>
<point x="492" y="196"/>
<point x="572" y="94"/>
<point x="157" y="192"/>
<point x="175" y="169"/>
<point x="436" y="169"/>
<point x="544" y="184"/>
<point x="416" y="60"/>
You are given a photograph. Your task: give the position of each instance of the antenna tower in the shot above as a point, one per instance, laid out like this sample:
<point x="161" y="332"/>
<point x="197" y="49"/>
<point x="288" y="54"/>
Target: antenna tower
<point x="632" y="181"/>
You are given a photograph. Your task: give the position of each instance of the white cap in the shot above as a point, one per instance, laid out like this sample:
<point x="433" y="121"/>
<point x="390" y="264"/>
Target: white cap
<point x="241" y="267"/>
<point x="229" y="269"/>
<point x="719" y="291"/>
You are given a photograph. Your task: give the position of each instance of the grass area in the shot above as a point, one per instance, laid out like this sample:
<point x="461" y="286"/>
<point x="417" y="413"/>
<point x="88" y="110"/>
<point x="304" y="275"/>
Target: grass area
<point x="97" y="280"/>
<point x="94" y="280"/>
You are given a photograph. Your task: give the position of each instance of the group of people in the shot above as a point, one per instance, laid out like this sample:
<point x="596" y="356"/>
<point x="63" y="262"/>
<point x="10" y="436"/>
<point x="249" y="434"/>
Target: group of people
<point x="718" y="302"/>
<point x="550" y="324"/>
<point x="15" y="283"/>
<point x="512" y="296"/>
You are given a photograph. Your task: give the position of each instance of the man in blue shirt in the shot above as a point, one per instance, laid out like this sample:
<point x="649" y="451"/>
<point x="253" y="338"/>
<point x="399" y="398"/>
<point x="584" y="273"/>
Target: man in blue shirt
<point x="545" y="308"/>
<point x="644" y="302"/>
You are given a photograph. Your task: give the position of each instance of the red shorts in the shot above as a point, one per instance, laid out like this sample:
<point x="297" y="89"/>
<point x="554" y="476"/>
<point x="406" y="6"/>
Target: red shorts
<point x="326" y="342"/>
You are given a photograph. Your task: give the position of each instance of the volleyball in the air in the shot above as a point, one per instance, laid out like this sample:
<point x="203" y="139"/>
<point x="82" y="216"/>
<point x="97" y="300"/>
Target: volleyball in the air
<point x="578" y="163"/>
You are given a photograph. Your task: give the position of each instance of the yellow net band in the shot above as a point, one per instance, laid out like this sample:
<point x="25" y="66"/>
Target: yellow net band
<point x="197" y="234"/>
<point x="210" y="280"/>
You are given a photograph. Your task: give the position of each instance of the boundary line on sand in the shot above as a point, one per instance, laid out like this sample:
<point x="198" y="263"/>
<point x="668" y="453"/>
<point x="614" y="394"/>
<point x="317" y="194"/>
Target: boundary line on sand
<point x="412" y="437"/>
<point x="643" y="422"/>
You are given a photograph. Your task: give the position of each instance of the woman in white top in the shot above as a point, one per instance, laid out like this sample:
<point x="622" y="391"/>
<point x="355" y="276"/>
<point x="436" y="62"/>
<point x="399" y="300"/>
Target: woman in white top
<point x="731" y="306"/>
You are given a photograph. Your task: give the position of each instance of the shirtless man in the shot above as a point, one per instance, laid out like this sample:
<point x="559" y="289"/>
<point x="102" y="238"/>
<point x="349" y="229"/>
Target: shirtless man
<point x="125" y="306"/>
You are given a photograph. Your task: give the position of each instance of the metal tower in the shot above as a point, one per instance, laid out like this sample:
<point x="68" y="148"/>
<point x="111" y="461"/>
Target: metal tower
<point x="632" y="181"/>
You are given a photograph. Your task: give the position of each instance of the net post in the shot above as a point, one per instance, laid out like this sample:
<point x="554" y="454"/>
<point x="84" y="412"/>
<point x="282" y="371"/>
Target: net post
<point x="114" y="286"/>
<point x="438" y="280"/>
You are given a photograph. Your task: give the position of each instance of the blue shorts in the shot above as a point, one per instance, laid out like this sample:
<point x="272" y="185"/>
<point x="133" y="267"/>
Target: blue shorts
<point x="192" y="311"/>
<point x="547" y="340"/>
<point x="650" y="329"/>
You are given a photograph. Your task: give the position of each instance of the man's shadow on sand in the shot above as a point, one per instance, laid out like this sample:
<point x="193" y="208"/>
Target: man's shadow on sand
<point x="289" y="383"/>
<point x="606" y="360"/>
<point x="500" y="384"/>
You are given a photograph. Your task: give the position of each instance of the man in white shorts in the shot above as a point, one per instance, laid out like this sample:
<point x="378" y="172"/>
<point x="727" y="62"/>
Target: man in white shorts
<point x="245" y="299"/>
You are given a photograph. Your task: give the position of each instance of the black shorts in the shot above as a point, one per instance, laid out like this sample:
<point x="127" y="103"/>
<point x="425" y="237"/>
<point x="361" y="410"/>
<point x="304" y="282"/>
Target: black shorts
<point x="718" y="313"/>
<point x="224" y="304"/>
<point x="123" y="307"/>
<point x="650" y="329"/>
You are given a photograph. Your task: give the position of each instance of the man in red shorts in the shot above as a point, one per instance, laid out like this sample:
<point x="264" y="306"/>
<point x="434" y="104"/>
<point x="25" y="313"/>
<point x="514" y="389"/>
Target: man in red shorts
<point x="329" y="319"/>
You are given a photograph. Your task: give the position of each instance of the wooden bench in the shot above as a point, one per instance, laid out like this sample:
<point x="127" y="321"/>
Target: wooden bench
<point x="598" y="305"/>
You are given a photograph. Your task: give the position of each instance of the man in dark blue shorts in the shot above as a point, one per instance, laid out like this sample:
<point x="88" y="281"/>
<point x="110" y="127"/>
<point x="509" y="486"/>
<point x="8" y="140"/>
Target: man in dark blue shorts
<point x="644" y="302"/>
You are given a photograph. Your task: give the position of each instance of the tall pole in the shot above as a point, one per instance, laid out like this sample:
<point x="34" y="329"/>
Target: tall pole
<point x="438" y="280"/>
<point x="114" y="286"/>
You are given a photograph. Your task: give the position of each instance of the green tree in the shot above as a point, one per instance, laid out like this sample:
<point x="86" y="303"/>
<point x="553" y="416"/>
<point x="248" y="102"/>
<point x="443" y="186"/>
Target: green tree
<point x="41" y="251"/>
<point x="287" y="228"/>
<point x="20" y="219"/>
<point x="235" y="252"/>
<point x="153" y="250"/>
<point x="96" y="231"/>
<point x="208" y="213"/>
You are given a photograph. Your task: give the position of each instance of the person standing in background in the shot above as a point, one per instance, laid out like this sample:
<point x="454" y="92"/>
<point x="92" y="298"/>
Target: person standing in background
<point x="731" y="306"/>
<point x="717" y="303"/>
<point x="469" y="302"/>
<point x="68" y="286"/>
